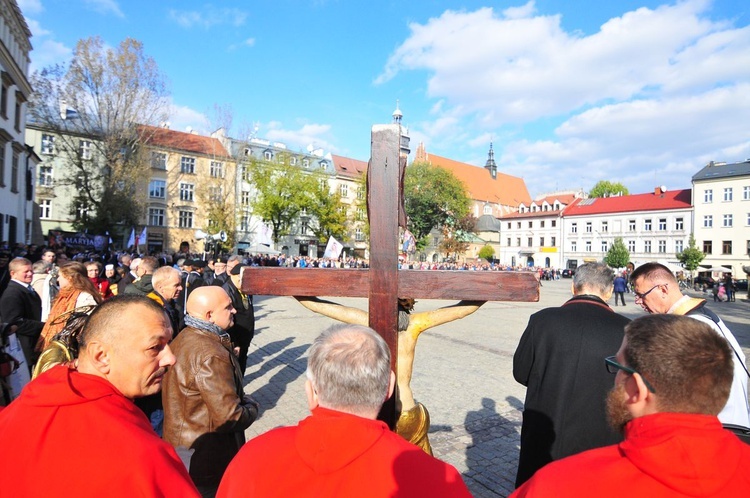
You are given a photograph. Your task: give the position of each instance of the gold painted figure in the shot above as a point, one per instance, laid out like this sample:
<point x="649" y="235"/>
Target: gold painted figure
<point x="414" y="421"/>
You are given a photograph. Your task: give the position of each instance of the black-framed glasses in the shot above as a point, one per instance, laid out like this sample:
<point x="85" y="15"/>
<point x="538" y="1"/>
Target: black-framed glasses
<point x="642" y="295"/>
<point x="612" y="367"/>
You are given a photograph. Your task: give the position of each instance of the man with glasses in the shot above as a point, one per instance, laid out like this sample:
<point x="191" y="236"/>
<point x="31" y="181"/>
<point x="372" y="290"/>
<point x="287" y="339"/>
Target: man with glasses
<point x="657" y="291"/>
<point x="559" y="360"/>
<point x="673" y="375"/>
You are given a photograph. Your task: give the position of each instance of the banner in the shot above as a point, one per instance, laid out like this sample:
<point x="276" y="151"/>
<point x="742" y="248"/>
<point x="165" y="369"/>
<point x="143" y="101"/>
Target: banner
<point x="77" y="240"/>
<point x="333" y="249"/>
<point x="131" y="240"/>
<point x="410" y="243"/>
<point x="143" y="238"/>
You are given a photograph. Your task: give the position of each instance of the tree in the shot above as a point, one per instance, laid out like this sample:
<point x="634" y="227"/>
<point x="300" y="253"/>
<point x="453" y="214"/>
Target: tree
<point x="217" y="198"/>
<point x="432" y="197"/>
<point x="457" y="234"/>
<point x="691" y="257"/>
<point x="95" y="105"/>
<point x="606" y="188"/>
<point x="487" y="252"/>
<point x="618" y="255"/>
<point x="328" y="216"/>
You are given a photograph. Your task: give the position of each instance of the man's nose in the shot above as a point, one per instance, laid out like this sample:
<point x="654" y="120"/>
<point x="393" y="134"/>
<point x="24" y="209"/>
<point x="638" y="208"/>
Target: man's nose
<point x="168" y="358"/>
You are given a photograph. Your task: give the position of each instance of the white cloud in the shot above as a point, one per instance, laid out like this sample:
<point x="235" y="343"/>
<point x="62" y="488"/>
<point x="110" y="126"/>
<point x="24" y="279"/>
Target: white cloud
<point x="30" y="6"/>
<point x="310" y="133"/>
<point x="249" y="42"/>
<point x="520" y="12"/>
<point x="208" y="17"/>
<point x="181" y="117"/>
<point x="105" y="7"/>
<point x="49" y="52"/>
<point x="36" y="29"/>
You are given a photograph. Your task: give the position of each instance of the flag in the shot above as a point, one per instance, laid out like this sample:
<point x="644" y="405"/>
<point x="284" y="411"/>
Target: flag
<point x="333" y="249"/>
<point x="265" y="234"/>
<point x="142" y="238"/>
<point x="131" y="240"/>
<point x="410" y="243"/>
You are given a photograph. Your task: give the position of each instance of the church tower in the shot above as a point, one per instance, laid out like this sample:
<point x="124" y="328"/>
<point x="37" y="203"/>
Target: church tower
<point x="490" y="164"/>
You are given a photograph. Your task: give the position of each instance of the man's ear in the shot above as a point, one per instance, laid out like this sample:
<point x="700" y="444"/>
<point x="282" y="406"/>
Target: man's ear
<point x="100" y="356"/>
<point x="391" y="385"/>
<point x="312" y="396"/>
<point x="640" y="399"/>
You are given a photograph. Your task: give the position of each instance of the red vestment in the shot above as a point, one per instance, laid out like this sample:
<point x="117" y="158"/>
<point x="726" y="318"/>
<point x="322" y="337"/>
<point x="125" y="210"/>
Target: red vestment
<point x="73" y="434"/>
<point x="334" y="454"/>
<point x="663" y="455"/>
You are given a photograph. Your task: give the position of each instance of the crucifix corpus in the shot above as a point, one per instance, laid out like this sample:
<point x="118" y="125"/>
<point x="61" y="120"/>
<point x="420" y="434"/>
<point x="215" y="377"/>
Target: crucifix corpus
<point x="383" y="283"/>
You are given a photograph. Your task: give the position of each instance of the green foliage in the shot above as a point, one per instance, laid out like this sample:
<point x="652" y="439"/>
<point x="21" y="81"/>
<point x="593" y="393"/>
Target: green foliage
<point x="432" y="197"/>
<point x="217" y="200"/>
<point x="328" y="216"/>
<point x="618" y="255"/>
<point x="456" y="234"/>
<point x="487" y="252"/>
<point x="692" y="256"/>
<point x="112" y="89"/>
<point x="606" y="188"/>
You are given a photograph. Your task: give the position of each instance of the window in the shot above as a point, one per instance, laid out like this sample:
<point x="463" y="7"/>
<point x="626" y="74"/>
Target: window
<point x="159" y="160"/>
<point x="268" y="155"/>
<point x="530" y="241"/>
<point x="708" y="221"/>
<point x="293" y="160"/>
<point x="541" y="241"/>
<point x="323" y="165"/>
<point x="6" y="83"/>
<point x="487" y="209"/>
<point x="679" y="224"/>
<point x="631" y="245"/>
<point x="14" y="172"/>
<point x="186" y="219"/>
<point x="726" y="247"/>
<point x="541" y="224"/>
<point x="589" y="227"/>
<point x="647" y="246"/>
<point x="436" y="241"/>
<point x="708" y="196"/>
<point x="361" y="194"/>
<point x="216" y="169"/>
<point x="360" y="215"/>
<point x="573" y="246"/>
<point x="553" y="242"/>
<point x="679" y="246"/>
<point x="647" y="225"/>
<point x="186" y="192"/>
<point x="518" y="241"/>
<point x="708" y="246"/>
<point x="518" y="224"/>
<point x="17" y="117"/>
<point x="508" y="241"/>
<point x="245" y="198"/>
<point x="344" y="190"/>
<point x="84" y="148"/>
<point x="45" y="175"/>
<point x="662" y="224"/>
<point x="2" y="164"/>
<point x="359" y="235"/>
<point x="727" y="194"/>
<point x="727" y="222"/>
<point x="509" y="221"/>
<point x="631" y="225"/>
<point x="588" y="246"/>
<point x="48" y="144"/>
<point x="157" y="189"/>
<point x="662" y="246"/>
<point x="605" y="246"/>
<point x="574" y="228"/>
<point x="45" y="209"/>
<point x="605" y="226"/>
<point x="244" y="222"/>
<point x="156" y="217"/>
<point x="746" y="193"/>
<point x="305" y="163"/>
<point x="554" y="223"/>
<point x="187" y="165"/>
<point x="531" y="224"/>
<point x="216" y="193"/>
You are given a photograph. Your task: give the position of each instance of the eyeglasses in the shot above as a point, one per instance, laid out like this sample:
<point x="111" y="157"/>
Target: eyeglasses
<point x="613" y="367"/>
<point x="642" y="295"/>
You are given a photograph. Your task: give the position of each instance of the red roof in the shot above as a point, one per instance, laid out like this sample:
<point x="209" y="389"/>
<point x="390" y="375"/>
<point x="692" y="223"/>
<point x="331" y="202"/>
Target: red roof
<point x="346" y="166"/>
<point x="653" y="201"/>
<point x="178" y="140"/>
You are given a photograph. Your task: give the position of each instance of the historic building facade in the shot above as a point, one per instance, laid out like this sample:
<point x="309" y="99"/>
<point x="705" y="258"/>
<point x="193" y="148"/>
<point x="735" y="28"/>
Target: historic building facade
<point x="17" y="161"/>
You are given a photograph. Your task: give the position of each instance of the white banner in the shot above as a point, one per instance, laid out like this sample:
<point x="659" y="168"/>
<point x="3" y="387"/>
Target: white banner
<point x="21" y="376"/>
<point x="333" y="249"/>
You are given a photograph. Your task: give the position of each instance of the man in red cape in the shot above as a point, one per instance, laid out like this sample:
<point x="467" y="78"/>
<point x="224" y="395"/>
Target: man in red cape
<point x="75" y="431"/>
<point x="341" y="450"/>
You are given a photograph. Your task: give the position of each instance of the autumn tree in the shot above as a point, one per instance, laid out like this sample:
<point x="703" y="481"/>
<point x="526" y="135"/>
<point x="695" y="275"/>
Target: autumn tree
<point x="432" y="197"/>
<point x="618" y="255"/>
<point x="93" y="107"/>
<point x="457" y="234"/>
<point x="606" y="188"/>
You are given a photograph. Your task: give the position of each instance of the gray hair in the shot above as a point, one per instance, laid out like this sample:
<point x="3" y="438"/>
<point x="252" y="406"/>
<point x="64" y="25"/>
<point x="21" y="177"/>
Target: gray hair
<point x="350" y="368"/>
<point x="41" y="266"/>
<point x="163" y="273"/>
<point x="595" y="276"/>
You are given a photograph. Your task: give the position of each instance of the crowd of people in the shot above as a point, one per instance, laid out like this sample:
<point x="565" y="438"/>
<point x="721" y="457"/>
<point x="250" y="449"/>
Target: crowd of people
<point x="134" y="366"/>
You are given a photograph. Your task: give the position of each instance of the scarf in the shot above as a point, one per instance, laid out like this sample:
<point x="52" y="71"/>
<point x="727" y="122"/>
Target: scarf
<point x="199" y="324"/>
<point x="65" y="301"/>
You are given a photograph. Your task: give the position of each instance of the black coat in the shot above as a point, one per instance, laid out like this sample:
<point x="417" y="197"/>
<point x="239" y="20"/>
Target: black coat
<point x="560" y="358"/>
<point x="243" y="330"/>
<point x="23" y="307"/>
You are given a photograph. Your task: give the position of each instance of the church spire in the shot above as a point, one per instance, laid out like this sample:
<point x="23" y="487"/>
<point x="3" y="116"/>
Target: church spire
<point x="490" y="164"/>
<point x="397" y="115"/>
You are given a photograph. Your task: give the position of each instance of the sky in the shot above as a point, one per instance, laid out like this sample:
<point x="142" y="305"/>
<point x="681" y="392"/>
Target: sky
<point x="569" y="92"/>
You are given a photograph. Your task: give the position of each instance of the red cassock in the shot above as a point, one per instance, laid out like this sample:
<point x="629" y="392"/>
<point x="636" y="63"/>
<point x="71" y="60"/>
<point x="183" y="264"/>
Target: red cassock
<point x="664" y="455"/>
<point x="73" y="434"/>
<point x="334" y="454"/>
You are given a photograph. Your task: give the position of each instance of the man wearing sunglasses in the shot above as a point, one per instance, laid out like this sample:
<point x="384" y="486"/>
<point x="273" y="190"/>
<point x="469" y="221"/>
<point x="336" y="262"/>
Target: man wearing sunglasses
<point x="657" y="291"/>
<point x="672" y="377"/>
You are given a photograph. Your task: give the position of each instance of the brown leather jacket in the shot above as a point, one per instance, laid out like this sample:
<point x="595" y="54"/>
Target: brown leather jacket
<point x="205" y="408"/>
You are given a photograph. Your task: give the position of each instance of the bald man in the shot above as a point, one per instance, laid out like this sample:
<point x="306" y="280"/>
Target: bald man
<point x="87" y="414"/>
<point x="206" y="410"/>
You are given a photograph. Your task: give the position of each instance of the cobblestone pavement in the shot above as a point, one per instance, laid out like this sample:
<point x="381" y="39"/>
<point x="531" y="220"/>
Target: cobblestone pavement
<point x="462" y="373"/>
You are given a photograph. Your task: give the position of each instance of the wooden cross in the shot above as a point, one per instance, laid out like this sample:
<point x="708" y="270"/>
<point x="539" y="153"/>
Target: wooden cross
<point x="383" y="283"/>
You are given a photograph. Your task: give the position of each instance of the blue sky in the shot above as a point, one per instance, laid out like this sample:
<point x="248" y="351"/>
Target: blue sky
<point x="570" y="92"/>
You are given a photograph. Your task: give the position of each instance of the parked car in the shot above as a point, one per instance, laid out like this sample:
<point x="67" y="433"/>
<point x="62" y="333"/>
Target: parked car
<point x="740" y="284"/>
<point x="568" y="273"/>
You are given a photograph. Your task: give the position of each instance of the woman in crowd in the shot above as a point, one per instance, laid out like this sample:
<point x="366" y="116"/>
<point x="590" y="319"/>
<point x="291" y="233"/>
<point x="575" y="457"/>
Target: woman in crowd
<point x="94" y="271"/>
<point x="76" y="290"/>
